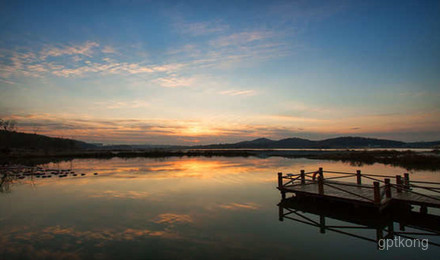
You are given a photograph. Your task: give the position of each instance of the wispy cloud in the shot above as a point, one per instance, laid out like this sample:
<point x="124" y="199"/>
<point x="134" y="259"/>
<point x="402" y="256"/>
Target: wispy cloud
<point x="178" y="131"/>
<point x="86" y="59"/>
<point x="81" y="49"/>
<point x="137" y="103"/>
<point x="201" y="28"/>
<point x="175" y="81"/>
<point x="241" y="38"/>
<point x="232" y="92"/>
<point x="108" y="49"/>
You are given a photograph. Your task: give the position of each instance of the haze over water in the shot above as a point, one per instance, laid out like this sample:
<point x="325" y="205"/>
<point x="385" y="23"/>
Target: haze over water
<point x="185" y="208"/>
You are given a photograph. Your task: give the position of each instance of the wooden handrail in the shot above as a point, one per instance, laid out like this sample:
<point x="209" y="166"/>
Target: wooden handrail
<point x="402" y="184"/>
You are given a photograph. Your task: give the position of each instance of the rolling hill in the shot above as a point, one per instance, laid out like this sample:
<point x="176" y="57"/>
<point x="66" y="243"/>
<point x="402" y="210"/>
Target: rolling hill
<point x="19" y="140"/>
<point x="336" y="143"/>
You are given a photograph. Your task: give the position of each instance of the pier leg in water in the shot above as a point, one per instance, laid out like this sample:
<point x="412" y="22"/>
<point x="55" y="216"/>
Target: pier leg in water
<point x="283" y="195"/>
<point x="280" y="213"/>
<point x="322" y="224"/>
<point x="391" y="230"/>
<point x="379" y="234"/>
<point x="401" y="226"/>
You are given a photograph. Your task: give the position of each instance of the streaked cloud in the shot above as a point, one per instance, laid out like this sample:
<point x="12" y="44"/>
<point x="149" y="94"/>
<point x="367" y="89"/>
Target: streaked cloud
<point x="85" y="49"/>
<point x="175" y="81"/>
<point x="232" y="92"/>
<point x="137" y="103"/>
<point x="169" y="131"/>
<point x="108" y="49"/>
<point x="201" y="28"/>
<point x="241" y="38"/>
<point x="29" y="64"/>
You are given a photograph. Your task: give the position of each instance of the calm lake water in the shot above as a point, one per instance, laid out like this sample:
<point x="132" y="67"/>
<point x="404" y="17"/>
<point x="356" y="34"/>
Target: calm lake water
<point x="177" y="208"/>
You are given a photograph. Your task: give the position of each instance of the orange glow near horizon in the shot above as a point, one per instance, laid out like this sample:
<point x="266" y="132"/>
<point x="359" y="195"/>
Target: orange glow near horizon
<point x="136" y="131"/>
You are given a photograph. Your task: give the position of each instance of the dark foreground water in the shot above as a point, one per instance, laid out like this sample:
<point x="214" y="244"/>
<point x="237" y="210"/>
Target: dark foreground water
<point x="178" y="208"/>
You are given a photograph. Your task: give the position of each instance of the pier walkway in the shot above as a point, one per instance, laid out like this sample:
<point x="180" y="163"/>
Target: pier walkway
<point x="372" y="190"/>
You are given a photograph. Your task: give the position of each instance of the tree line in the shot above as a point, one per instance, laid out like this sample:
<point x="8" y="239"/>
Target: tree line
<point x="8" y="125"/>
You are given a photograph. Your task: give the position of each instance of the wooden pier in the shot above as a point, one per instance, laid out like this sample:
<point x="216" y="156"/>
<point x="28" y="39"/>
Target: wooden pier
<point x="371" y="190"/>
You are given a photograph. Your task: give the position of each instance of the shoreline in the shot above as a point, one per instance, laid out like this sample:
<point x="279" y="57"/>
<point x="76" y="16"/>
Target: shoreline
<point x="410" y="160"/>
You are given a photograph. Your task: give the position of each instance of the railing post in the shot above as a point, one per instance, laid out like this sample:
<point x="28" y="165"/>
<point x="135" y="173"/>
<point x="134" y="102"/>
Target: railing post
<point x="359" y="177"/>
<point x="321" y="185"/>
<point x="280" y="180"/>
<point x="399" y="183"/>
<point x="388" y="188"/>
<point x="321" y="172"/>
<point x="376" y="192"/>
<point x="303" y="177"/>
<point x="406" y="181"/>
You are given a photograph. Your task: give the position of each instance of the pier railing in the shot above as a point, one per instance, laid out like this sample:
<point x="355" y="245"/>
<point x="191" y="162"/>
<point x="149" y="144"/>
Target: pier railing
<point x="383" y="189"/>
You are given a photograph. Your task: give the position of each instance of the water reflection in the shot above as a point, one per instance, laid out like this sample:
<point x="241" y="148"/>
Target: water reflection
<point x="140" y="208"/>
<point x="365" y="223"/>
<point x="5" y="183"/>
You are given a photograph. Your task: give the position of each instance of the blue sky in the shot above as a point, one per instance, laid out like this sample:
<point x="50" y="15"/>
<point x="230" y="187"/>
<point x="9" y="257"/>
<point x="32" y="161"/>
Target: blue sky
<point x="187" y="72"/>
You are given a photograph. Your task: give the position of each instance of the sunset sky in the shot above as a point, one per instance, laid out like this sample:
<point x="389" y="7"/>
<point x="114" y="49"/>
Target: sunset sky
<point x="199" y="72"/>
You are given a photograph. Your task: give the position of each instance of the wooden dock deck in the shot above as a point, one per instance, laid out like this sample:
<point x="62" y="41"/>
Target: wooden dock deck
<point x="361" y="189"/>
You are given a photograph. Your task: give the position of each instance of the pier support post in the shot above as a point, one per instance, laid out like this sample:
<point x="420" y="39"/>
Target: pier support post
<point x="321" y="185"/>
<point x="376" y="192"/>
<point x="379" y="234"/>
<point x="280" y="213"/>
<point x="399" y="183"/>
<point x="303" y="177"/>
<point x="280" y="180"/>
<point x="401" y="226"/>
<point x="406" y="181"/>
<point x="388" y="188"/>
<point x="359" y="177"/>
<point x="391" y="230"/>
<point x="322" y="224"/>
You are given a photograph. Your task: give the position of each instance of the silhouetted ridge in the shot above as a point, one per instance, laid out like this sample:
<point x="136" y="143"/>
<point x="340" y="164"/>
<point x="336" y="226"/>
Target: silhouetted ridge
<point x="340" y="142"/>
<point x="39" y="142"/>
<point x="343" y="142"/>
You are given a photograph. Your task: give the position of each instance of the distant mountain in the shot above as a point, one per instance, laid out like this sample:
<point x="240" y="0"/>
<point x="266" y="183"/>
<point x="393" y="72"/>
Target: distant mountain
<point x="425" y="144"/>
<point x="358" y="142"/>
<point x="18" y="140"/>
<point x="340" y="143"/>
